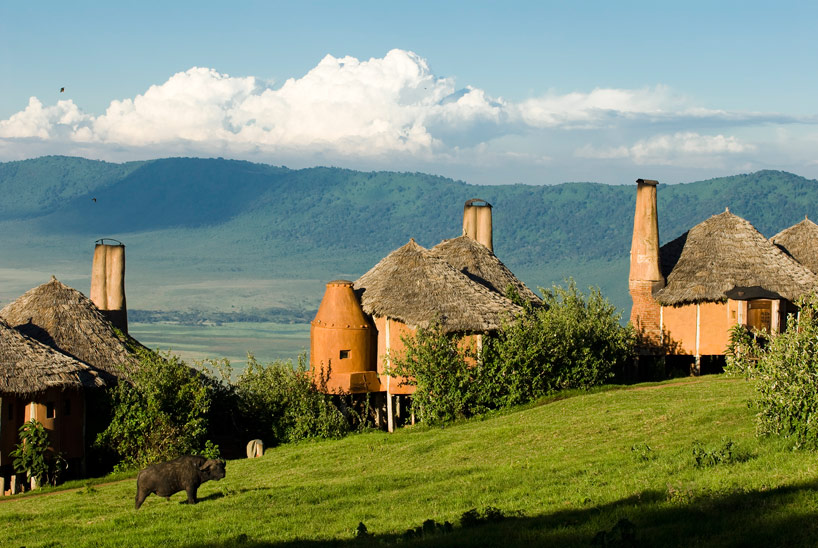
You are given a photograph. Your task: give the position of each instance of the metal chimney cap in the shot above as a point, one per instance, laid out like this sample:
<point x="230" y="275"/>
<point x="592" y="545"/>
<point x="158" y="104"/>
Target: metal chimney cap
<point x="647" y="182"/>
<point x="101" y="241"/>
<point x="474" y="200"/>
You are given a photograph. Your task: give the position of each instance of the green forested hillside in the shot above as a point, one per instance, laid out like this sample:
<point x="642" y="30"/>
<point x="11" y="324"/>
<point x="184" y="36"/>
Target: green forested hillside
<point x="216" y="223"/>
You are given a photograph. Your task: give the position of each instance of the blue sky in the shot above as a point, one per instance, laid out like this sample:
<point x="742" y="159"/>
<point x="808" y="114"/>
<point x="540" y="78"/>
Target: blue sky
<point x="531" y="92"/>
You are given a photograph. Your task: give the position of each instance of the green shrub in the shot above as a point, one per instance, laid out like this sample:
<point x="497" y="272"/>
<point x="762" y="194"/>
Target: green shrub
<point x="159" y="414"/>
<point x="743" y="350"/>
<point x="32" y="456"/>
<point x="725" y="453"/>
<point x="282" y="403"/>
<point x="571" y="341"/>
<point x="787" y="380"/>
<point x="444" y="369"/>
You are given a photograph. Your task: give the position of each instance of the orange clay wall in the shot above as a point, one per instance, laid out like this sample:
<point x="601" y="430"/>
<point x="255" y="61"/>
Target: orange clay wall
<point x="65" y="426"/>
<point x="714" y="328"/>
<point x="715" y="320"/>
<point x="394" y="348"/>
<point x="679" y="328"/>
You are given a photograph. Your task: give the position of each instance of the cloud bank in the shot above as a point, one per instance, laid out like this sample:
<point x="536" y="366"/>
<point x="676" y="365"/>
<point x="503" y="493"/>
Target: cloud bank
<point x="391" y="109"/>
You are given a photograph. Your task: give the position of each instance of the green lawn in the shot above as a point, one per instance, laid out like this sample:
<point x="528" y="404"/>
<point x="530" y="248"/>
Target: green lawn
<point x="562" y="471"/>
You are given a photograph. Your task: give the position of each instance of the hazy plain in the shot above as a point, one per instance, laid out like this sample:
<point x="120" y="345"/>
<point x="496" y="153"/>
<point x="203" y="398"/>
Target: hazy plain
<point x="267" y="341"/>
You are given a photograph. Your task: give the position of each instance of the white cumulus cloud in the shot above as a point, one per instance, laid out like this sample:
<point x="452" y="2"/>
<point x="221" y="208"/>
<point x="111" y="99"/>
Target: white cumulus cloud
<point x="678" y="149"/>
<point x="393" y="110"/>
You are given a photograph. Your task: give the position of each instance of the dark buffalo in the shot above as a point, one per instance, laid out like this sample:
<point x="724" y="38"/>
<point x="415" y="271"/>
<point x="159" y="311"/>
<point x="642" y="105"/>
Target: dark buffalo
<point x="186" y="473"/>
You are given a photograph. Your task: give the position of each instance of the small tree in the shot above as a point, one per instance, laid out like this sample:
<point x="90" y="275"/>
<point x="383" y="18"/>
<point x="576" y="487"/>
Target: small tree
<point x="159" y="413"/>
<point x="32" y="456"/>
<point x="571" y="341"/>
<point x="787" y="379"/>
<point x="445" y="372"/>
<point x="743" y="350"/>
<point x="282" y="403"/>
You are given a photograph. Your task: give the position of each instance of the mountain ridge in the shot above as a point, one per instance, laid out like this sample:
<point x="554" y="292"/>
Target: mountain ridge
<point x="193" y="220"/>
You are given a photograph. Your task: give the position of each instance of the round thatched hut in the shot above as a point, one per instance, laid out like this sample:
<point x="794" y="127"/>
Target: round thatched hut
<point x="412" y="288"/>
<point x="482" y="266"/>
<point x="800" y="242"/>
<point x="38" y="382"/>
<point x="66" y="320"/>
<point x="719" y="273"/>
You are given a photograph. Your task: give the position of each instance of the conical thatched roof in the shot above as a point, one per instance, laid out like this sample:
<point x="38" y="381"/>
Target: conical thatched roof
<point x="801" y="243"/>
<point x="723" y="252"/>
<point x="66" y="320"/>
<point x="481" y="265"/>
<point x="28" y="366"/>
<point x="415" y="287"/>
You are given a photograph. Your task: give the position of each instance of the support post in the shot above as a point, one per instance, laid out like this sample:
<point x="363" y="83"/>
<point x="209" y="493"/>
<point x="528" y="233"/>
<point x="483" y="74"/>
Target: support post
<point x="697" y="368"/>
<point x="775" y="316"/>
<point x="2" y="486"/>
<point x="15" y="484"/>
<point x="390" y="411"/>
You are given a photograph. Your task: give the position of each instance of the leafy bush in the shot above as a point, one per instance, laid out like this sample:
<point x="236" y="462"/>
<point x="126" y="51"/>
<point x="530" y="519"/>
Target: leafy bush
<point x="443" y="367"/>
<point x="787" y="380"/>
<point x="571" y="341"/>
<point x="32" y="457"/>
<point x="159" y="413"/>
<point x="489" y="514"/>
<point x="642" y="452"/>
<point x="726" y="453"/>
<point x="743" y="350"/>
<point x="283" y="404"/>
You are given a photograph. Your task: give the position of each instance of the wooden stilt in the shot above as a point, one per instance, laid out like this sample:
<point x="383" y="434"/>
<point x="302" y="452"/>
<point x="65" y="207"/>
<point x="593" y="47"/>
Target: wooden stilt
<point x="390" y="413"/>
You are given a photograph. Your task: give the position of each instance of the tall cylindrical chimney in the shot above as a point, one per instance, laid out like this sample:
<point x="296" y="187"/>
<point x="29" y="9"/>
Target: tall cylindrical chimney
<point x="477" y="221"/>
<point x="108" y="283"/>
<point x="645" y="273"/>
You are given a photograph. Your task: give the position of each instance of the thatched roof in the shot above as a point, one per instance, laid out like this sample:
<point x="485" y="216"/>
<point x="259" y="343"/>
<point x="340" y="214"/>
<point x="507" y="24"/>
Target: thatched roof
<point x="481" y="265"/>
<point x="415" y="287"/>
<point x="66" y="320"/>
<point x="801" y="243"/>
<point x="723" y="252"/>
<point x="28" y="366"/>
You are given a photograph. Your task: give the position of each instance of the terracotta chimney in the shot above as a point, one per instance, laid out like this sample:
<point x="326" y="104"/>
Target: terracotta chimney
<point x="108" y="282"/>
<point x="645" y="274"/>
<point x="477" y="221"/>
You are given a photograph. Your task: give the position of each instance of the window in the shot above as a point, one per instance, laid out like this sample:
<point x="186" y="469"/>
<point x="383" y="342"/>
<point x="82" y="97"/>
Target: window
<point x="759" y="314"/>
<point x="344" y="355"/>
<point x="49" y="410"/>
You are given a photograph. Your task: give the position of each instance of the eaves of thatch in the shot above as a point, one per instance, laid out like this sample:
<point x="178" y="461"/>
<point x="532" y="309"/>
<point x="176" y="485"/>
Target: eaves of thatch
<point x="725" y="252"/>
<point x="66" y="320"/>
<point x="413" y="286"/>
<point x="800" y="242"/>
<point x="28" y="366"/>
<point x="481" y="265"/>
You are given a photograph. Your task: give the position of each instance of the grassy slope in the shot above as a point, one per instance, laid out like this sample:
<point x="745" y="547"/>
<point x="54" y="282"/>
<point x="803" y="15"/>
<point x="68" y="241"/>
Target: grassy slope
<point x="566" y="466"/>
